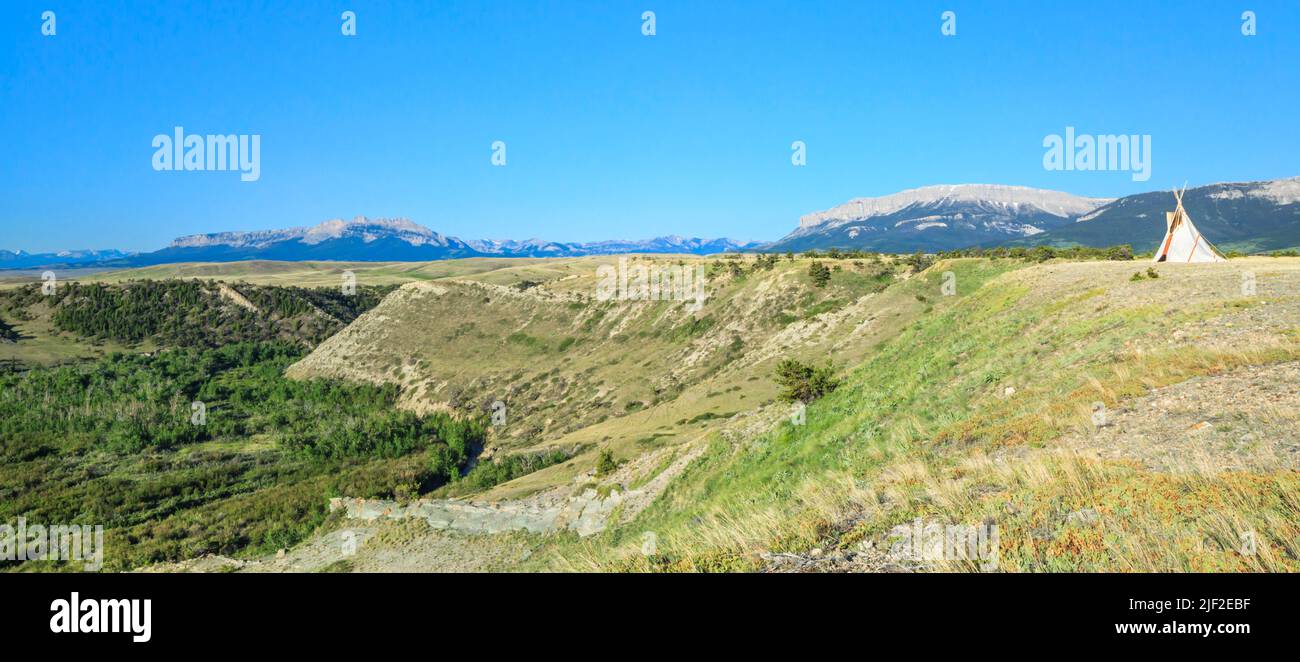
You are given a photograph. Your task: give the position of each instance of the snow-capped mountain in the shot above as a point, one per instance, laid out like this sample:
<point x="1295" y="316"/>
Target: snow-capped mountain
<point x="937" y="218"/>
<point x="365" y="229"/>
<point x="361" y="238"/>
<point x="24" y="260"/>
<point x="668" y="244"/>
<point x="525" y="248"/>
<point x="1247" y="216"/>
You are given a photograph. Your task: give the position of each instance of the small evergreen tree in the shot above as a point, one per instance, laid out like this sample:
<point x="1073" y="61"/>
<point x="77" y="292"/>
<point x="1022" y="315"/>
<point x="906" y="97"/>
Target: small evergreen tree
<point x="7" y="333"/>
<point x="801" y="382"/>
<point x="605" y="463"/>
<point x="819" y="273"/>
<point x="919" y="261"/>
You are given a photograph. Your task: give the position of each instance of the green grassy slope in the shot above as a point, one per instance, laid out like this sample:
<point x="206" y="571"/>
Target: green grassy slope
<point x="926" y="428"/>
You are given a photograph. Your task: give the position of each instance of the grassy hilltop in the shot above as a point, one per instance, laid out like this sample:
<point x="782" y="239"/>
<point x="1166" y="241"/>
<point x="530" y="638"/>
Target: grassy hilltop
<point x="982" y="411"/>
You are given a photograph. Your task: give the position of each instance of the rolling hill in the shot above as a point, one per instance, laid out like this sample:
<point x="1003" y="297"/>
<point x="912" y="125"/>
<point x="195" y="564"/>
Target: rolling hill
<point x="572" y="370"/>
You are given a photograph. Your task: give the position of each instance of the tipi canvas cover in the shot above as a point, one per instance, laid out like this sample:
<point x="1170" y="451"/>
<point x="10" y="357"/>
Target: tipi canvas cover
<point x="1183" y="242"/>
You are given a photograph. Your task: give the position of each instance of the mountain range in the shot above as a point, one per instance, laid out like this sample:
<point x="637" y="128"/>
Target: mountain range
<point x="936" y="218"/>
<point x="361" y="239"/>
<point x="1248" y="217"/>
<point x="24" y="260"/>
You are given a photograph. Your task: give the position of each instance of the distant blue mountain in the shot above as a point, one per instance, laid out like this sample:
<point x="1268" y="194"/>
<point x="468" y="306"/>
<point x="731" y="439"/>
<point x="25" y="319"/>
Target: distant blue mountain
<point x="359" y="240"/>
<point x="25" y="260"/>
<point x="1250" y="216"/>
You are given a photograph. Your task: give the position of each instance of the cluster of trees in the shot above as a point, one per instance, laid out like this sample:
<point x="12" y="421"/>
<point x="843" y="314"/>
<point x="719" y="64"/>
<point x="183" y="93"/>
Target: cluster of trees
<point x="131" y="402"/>
<point x="7" y="333"/>
<point x="1045" y="253"/>
<point x="922" y="260"/>
<point x="733" y="265"/>
<point x="819" y="273"/>
<point x="736" y="265"/>
<point x="96" y="443"/>
<point x="838" y="254"/>
<point x="188" y="313"/>
<point x="174" y="312"/>
<point x="766" y="261"/>
<point x="918" y="261"/>
<point x="503" y="469"/>
<point x="15" y="300"/>
<point x="447" y="442"/>
<point x="286" y="302"/>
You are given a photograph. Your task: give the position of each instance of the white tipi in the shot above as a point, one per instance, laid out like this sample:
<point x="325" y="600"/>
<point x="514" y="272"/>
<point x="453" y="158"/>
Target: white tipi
<point x="1183" y="242"/>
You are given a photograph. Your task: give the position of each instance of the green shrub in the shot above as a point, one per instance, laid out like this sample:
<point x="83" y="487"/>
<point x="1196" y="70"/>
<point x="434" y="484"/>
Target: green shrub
<point x="605" y="463"/>
<point x="804" y="383"/>
<point x="918" y="261"/>
<point x="504" y="469"/>
<point x="819" y="274"/>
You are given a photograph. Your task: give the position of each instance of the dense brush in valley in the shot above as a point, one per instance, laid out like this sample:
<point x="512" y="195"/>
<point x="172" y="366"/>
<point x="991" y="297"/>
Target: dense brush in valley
<point x="199" y="445"/>
<point x="188" y="313"/>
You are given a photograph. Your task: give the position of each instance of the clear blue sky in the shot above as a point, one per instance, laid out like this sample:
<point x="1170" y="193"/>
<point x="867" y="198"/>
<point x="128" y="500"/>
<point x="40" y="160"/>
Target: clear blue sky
<point x="611" y="134"/>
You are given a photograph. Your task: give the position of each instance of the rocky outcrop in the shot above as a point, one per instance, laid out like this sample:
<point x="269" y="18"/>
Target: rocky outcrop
<point x="585" y="513"/>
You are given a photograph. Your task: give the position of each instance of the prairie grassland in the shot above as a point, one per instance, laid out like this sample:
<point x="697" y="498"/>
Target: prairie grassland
<point x="265" y="272"/>
<point x="329" y="274"/>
